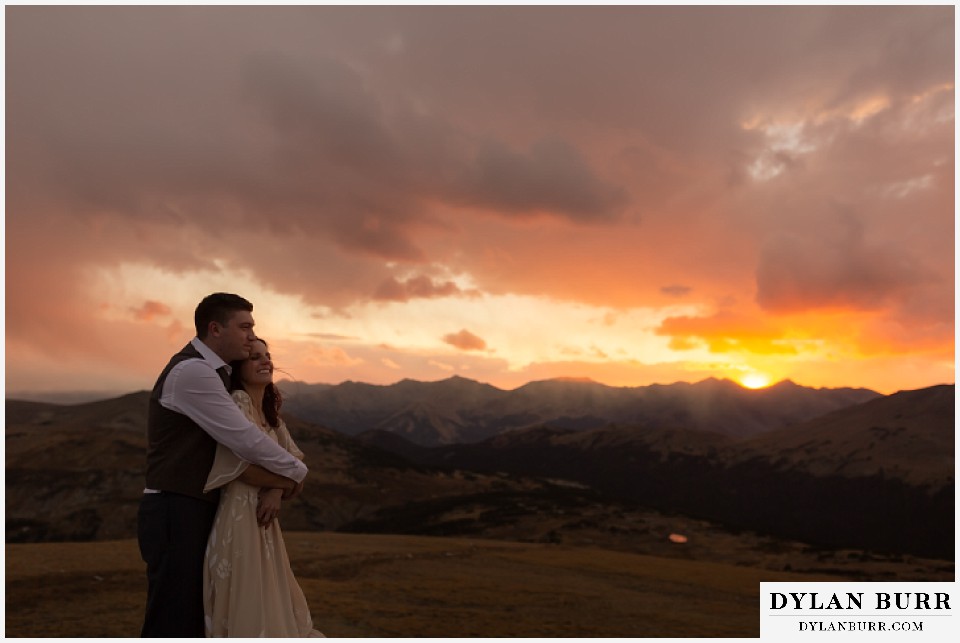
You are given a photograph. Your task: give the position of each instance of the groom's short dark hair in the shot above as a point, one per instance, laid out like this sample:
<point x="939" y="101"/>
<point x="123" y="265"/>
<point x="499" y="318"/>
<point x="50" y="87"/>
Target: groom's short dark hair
<point x="218" y="307"/>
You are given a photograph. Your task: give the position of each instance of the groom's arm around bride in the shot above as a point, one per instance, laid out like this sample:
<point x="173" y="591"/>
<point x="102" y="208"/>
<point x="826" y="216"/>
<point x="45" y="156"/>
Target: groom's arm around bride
<point x="190" y="411"/>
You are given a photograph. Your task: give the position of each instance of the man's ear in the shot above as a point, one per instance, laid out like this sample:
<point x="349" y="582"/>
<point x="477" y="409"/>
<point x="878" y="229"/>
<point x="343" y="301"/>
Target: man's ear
<point x="213" y="329"/>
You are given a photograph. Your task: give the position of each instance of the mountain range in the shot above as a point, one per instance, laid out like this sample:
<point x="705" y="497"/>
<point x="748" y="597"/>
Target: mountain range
<point x="878" y="474"/>
<point x="459" y="410"/>
<point x="874" y="475"/>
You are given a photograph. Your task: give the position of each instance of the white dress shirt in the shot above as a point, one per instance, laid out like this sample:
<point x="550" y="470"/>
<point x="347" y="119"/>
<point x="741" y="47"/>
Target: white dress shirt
<point x="194" y="388"/>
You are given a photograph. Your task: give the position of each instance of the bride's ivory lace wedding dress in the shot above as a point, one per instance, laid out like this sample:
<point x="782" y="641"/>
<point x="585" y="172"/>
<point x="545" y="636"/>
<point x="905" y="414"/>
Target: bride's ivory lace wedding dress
<point x="248" y="587"/>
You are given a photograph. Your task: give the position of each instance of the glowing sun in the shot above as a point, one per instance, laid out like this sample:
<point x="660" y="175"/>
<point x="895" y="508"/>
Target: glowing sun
<point x="755" y="380"/>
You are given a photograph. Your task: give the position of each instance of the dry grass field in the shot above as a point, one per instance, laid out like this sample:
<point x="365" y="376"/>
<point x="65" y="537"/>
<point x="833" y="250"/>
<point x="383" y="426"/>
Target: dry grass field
<point x="411" y="586"/>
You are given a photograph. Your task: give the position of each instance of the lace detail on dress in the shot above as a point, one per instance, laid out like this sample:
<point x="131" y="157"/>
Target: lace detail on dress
<point x="249" y="588"/>
<point x="243" y="400"/>
<point x="286" y="440"/>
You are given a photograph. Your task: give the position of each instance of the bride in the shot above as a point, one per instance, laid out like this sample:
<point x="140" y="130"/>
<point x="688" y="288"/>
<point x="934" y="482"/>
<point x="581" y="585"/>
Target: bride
<point x="248" y="587"/>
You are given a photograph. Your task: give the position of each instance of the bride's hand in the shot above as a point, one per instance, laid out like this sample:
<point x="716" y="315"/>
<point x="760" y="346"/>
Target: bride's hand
<point x="268" y="506"/>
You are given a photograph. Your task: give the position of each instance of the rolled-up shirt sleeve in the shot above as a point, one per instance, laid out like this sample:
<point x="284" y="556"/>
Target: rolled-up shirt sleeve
<point x="194" y="389"/>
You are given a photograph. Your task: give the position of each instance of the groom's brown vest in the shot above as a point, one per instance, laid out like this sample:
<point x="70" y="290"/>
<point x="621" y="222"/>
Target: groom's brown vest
<point x="179" y="452"/>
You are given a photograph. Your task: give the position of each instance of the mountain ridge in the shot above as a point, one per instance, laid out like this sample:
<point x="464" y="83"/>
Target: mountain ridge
<point x="461" y="410"/>
<point x="876" y="476"/>
<point x="879" y="475"/>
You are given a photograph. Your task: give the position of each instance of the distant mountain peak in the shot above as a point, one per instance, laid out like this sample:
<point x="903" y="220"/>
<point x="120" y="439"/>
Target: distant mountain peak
<point x="716" y="382"/>
<point x="453" y="379"/>
<point x="554" y="382"/>
<point x="785" y="384"/>
<point x="459" y="409"/>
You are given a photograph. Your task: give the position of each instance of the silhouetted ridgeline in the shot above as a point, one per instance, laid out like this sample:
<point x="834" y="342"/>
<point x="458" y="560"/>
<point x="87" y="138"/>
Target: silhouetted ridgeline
<point x="458" y="410"/>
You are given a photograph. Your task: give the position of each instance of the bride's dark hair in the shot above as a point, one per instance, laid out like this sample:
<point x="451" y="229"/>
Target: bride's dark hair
<point x="272" y="400"/>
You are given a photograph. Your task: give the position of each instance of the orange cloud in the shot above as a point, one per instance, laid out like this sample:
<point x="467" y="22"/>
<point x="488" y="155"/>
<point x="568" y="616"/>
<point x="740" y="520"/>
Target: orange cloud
<point x="465" y="341"/>
<point x="150" y="310"/>
<point x="325" y="356"/>
<point x="726" y="332"/>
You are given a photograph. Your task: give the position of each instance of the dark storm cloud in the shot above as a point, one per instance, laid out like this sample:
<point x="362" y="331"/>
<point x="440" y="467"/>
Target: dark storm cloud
<point x="552" y="177"/>
<point x="419" y="287"/>
<point x="676" y="290"/>
<point x="256" y="134"/>
<point x="832" y="267"/>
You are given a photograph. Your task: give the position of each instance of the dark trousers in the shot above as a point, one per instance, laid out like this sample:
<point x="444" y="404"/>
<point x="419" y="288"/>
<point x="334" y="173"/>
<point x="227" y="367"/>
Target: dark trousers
<point x="172" y="530"/>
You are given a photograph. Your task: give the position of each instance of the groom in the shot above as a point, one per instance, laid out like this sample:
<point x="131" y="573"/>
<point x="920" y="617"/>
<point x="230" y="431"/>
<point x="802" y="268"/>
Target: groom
<point x="190" y="411"/>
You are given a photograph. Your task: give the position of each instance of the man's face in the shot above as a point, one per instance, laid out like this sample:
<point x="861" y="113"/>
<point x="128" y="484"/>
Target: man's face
<point x="234" y="339"/>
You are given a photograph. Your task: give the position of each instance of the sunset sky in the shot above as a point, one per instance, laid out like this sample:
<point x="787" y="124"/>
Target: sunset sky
<point x="631" y="194"/>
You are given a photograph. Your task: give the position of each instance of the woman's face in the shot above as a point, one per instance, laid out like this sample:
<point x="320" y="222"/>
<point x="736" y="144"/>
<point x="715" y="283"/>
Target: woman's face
<point x="258" y="369"/>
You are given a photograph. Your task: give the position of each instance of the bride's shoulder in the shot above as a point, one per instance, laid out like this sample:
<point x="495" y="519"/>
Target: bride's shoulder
<point x="242" y="398"/>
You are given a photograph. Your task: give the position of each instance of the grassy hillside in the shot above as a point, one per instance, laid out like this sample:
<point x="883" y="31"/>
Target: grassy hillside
<point x="401" y="586"/>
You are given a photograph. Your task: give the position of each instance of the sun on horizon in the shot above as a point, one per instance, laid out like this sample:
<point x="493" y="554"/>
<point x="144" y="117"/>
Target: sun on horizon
<point x="755" y="380"/>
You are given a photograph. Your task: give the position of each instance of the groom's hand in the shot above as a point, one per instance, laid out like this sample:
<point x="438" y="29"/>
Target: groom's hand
<point x="268" y="506"/>
<point x="259" y="477"/>
<point x="289" y="493"/>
